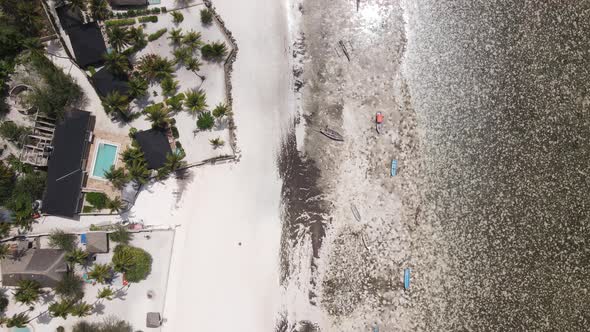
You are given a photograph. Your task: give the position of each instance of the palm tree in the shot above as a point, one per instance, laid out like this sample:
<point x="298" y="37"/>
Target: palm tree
<point x="174" y="161"/>
<point x="175" y="36"/>
<point x="216" y="142"/>
<point x="194" y="65"/>
<point x="206" y="16"/>
<point x="123" y="261"/>
<point x="205" y="121"/>
<point x="169" y="86"/>
<point x="137" y="37"/>
<point x="182" y="55"/>
<point x="115" y="204"/>
<point x="116" y="176"/>
<point x="105" y="293"/>
<point x="214" y="51"/>
<point x="131" y="154"/>
<point x="60" y="309"/>
<point x="195" y="100"/>
<point x="117" y="63"/>
<point x="115" y="102"/>
<point x="220" y="110"/>
<point x="78" y="5"/>
<point x="28" y="19"/>
<point x="4" y="250"/>
<point x="139" y="172"/>
<point x="27" y="291"/>
<point x="138" y="86"/>
<point x="101" y="273"/>
<point x="77" y="256"/>
<point x="118" y="37"/>
<point x="18" y="320"/>
<point x="81" y="309"/>
<point x="153" y="66"/>
<point x="121" y="235"/>
<point x="99" y="10"/>
<point x="158" y="115"/>
<point x="33" y="47"/>
<point x="192" y="39"/>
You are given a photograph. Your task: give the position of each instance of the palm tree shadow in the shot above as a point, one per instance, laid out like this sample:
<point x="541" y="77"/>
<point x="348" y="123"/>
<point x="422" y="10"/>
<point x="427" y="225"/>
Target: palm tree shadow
<point x="184" y="178"/>
<point x="221" y="125"/>
<point x="45" y="318"/>
<point x="99" y="308"/>
<point x="48" y="297"/>
<point x="120" y="294"/>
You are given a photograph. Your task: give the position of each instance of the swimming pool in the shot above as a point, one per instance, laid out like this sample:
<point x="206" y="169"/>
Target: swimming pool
<point x="21" y="329"/>
<point x="104" y="159"/>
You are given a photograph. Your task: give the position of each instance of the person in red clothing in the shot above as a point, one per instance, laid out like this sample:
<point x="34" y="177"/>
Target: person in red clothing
<point x="379" y="120"/>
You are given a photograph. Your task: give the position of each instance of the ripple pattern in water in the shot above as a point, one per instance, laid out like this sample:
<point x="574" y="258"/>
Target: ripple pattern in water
<point x="502" y="89"/>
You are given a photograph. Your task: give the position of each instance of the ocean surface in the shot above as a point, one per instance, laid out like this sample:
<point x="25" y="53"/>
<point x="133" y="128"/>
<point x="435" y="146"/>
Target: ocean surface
<point x="502" y="94"/>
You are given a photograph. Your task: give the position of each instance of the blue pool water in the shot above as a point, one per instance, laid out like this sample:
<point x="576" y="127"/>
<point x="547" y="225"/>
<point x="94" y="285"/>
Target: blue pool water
<point x="21" y="329"/>
<point x="105" y="158"/>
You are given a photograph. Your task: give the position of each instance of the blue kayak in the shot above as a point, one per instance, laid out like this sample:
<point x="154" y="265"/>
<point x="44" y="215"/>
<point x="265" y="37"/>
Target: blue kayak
<point x="394" y="167"/>
<point x="407" y="278"/>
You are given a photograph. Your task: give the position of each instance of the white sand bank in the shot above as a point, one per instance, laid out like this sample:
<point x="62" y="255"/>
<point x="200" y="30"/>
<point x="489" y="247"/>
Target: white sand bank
<point x="215" y="283"/>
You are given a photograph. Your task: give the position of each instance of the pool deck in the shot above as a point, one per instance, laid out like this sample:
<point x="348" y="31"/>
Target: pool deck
<point x="94" y="184"/>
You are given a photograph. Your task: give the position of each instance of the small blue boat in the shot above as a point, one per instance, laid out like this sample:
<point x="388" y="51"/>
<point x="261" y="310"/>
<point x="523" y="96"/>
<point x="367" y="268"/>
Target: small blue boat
<point x="394" y="167"/>
<point x="407" y="278"/>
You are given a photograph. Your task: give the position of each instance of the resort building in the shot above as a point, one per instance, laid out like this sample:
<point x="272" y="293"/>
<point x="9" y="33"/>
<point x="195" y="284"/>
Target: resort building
<point x="88" y="44"/>
<point x="67" y="164"/>
<point x="47" y="266"/>
<point x="155" y="146"/>
<point x="105" y="82"/>
<point x="129" y="2"/>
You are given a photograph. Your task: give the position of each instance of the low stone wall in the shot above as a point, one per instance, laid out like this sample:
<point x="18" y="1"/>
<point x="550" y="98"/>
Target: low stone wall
<point x="228" y="69"/>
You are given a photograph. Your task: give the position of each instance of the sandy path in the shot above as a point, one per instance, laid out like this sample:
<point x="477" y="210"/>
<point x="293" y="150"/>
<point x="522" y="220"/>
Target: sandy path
<point x="215" y="282"/>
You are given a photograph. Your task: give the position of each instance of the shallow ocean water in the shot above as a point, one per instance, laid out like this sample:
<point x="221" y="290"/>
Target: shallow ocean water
<point x="502" y="93"/>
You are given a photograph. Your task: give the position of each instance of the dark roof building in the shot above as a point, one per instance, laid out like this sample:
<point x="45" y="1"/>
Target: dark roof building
<point x="68" y="17"/>
<point x="66" y="164"/>
<point x="155" y="146"/>
<point x="128" y="2"/>
<point x="88" y="45"/>
<point x="47" y="266"/>
<point x="97" y="242"/>
<point x="105" y="82"/>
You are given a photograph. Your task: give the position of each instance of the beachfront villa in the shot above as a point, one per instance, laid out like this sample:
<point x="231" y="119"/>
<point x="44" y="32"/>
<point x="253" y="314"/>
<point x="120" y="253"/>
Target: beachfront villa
<point x="67" y="159"/>
<point x="45" y="266"/>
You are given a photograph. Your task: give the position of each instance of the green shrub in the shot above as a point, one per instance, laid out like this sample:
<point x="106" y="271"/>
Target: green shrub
<point x="174" y="132"/>
<point x="164" y="9"/>
<point x="175" y="102"/>
<point x="12" y="132"/>
<point x="121" y="235"/>
<point x="88" y="208"/>
<point x="136" y="263"/>
<point x="177" y="17"/>
<point x="157" y="34"/>
<point x="145" y="19"/>
<point x="127" y="21"/>
<point x="98" y="200"/>
<point x="206" y="16"/>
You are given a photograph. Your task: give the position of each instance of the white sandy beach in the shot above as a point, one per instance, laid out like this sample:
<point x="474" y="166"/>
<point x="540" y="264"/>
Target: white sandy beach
<point x="215" y="283"/>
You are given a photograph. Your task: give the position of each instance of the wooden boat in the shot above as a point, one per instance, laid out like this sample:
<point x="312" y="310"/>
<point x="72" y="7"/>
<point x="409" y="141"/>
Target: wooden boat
<point x="407" y="278"/>
<point x="332" y="134"/>
<point x="394" y="167"/>
<point x="355" y="212"/>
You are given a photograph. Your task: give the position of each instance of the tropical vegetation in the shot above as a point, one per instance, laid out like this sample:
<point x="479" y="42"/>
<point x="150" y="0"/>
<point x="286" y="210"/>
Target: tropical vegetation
<point x="62" y="240"/>
<point x="215" y="51"/>
<point x="117" y="177"/>
<point x="27" y="291"/>
<point x="205" y="121"/>
<point x="121" y="235"/>
<point x="206" y="16"/>
<point x="195" y="100"/>
<point x="102" y="273"/>
<point x="135" y="262"/>
<point x="177" y="17"/>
